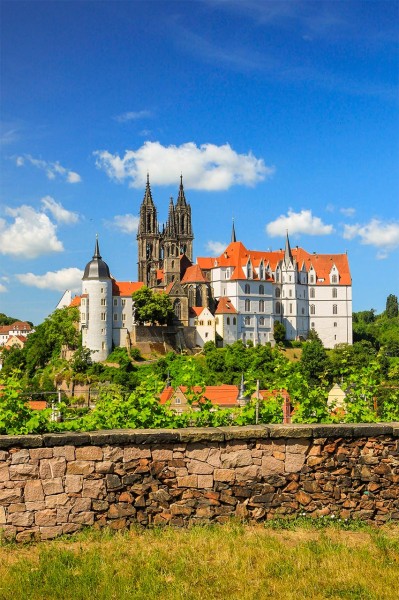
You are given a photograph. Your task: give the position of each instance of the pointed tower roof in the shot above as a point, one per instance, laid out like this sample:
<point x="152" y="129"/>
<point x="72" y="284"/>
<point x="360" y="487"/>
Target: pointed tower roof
<point x="287" y="252"/>
<point x="170" y="229"/>
<point x="96" y="268"/>
<point x="147" y="194"/>
<point x="233" y="234"/>
<point x="181" y="198"/>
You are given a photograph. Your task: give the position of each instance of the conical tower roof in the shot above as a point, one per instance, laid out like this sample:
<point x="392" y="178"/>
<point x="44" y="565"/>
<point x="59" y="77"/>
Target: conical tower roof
<point x="287" y="252"/>
<point x="147" y="200"/>
<point x="181" y="198"/>
<point x="96" y="268"/>
<point x="170" y="230"/>
<point x="233" y="234"/>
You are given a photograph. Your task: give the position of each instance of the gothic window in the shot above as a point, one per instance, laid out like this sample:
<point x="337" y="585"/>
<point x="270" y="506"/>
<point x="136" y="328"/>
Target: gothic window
<point x="177" y="308"/>
<point x="182" y="223"/>
<point x="278" y="308"/>
<point x="249" y="270"/>
<point x="247" y="320"/>
<point x="191" y="295"/>
<point x="290" y="309"/>
<point x="199" y="296"/>
<point x="335" y="309"/>
<point x="123" y="302"/>
<point x="247" y="288"/>
<point x="173" y="250"/>
<point x="261" y="321"/>
<point x="335" y="324"/>
<point x="311" y="278"/>
<point x="234" y="321"/>
<point x="261" y="290"/>
<point x="261" y="271"/>
<point x="261" y="306"/>
<point x="277" y="275"/>
<point x="247" y="305"/>
<point x="228" y="321"/>
<point x="290" y="293"/>
<point x="312" y="293"/>
<point x="278" y="293"/>
<point x="149" y="250"/>
<point x="334" y="279"/>
<point x="334" y="292"/>
<point x="173" y="264"/>
<point x="312" y="309"/>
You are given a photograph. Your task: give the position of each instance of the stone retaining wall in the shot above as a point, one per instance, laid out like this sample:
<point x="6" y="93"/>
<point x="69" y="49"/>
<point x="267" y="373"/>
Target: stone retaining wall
<point x="57" y="483"/>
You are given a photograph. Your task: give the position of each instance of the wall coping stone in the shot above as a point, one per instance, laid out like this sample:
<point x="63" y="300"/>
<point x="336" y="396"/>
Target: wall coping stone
<point x="123" y="437"/>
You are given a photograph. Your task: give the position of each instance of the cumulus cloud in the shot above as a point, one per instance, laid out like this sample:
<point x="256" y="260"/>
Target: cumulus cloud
<point x="206" y="167"/>
<point x="60" y="214"/>
<point x="382" y="235"/>
<point x="61" y="280"/>
<point x="3" y="288"/>
<point x="29" y="235"/>
<point x="125" y="223"/>
<point x="216" y="247"/>
<point x="133" y="116"/>
<point x="300" y="222"/>
<point x="52" y="169"/>
<point x="348" y="212"/>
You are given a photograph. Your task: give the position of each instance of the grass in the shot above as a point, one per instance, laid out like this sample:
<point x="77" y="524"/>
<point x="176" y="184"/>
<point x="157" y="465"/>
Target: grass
<point x="235" y="561"/>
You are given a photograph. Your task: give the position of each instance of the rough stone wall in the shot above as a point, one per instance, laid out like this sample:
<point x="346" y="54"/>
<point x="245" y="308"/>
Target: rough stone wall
<point x="58" y="483"/>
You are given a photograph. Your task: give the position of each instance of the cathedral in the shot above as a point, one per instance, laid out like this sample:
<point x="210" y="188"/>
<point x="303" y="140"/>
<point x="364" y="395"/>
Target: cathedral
<point x="238" y="295"/>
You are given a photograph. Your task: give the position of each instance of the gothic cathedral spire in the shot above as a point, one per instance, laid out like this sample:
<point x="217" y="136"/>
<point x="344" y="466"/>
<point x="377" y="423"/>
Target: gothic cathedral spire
<point x="148" y="237"/>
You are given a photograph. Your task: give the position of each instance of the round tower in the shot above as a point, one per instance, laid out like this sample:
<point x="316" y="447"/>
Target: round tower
<point x="96" y="307"/>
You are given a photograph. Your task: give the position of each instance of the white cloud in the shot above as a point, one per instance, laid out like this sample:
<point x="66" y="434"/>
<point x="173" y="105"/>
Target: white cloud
<point x="216" y="247"/>
<point x="125" y="223"/>
<point x="133" y="116"/>
<point x="30" y="235"/>
<point x="52" y="169"/>
<point x="3" y="288"/>
<point x="376" y="233"/>
<point x="205" y="167"/>
<point x="64" y="279"/>
<point x="60" y="214"/>
<point x="348" y="212"/>
<point x="301" y="222"/>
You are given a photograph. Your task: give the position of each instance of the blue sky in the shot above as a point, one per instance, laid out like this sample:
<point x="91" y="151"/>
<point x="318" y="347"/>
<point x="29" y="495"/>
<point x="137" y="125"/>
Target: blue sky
<point x="283" y="115"/>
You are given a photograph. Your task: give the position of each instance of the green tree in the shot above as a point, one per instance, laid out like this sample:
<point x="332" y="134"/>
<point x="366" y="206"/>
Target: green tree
<point x="313" y="363"/>
<point x="152" y="307"/>
<point x="392" y="309"/>
<point x="279" y="332"/>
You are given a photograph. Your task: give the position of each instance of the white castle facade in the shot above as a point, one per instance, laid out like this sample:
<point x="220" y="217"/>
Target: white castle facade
<point x="237" y="295"/>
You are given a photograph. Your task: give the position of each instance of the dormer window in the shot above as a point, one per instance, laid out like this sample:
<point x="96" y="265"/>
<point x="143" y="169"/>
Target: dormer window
<point x="249" y="270"/>
<point x="334" y="278"/>
<point x="261" y="271"/>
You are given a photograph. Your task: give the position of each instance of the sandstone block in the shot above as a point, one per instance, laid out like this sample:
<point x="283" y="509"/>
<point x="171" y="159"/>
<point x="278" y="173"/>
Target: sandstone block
<point x="33" y="491"/>
<point x="198" y="467"/>
<point x="82" y="505"/>
<point x="237" y="458"/>
<point x="197" y="452"/>
<point x="28" y="535"/>
<point x="159" y="454"/>
<point x="3" y="516"/>
<point x="80" y="467"/>
<point x="297" y="446"/>
<point x="63" y="514"/>
<point x="112" y="454"/>
<point x="39" y="453"/>
<point x="46" y="518"/>
<point x="226" y="475"/>
<point x="313" y="461"/>
<point x="113" y="482"/>
<point x="84" y="518"/>
<point x="125" y="497"/>
<point x="303" y="498"/>
<point x="294" y="462"/>
<point x="177" y="509"/>
<point x="3" y="455"/>
<point x="68" y="452"/>
<point x="214" y="457"/>
<point x="71" y="527"/>
<point x="49" y="533"/>
<point x="271" y="465"/>
<point x="89" y="453"/>
<point x="52" y="467"/>
<point x="93" y="489"/>
<point x="73" y="484"/>
<point x="190" y="481"/>
<point x="118" y="524"/>
<point x="205" y="481"/>
<point x="104" y="467"/>
<point x="279" y="455"/>
<point x="23" y="471"/>
<point x="52" y="486"/>
<point x="136" y="452"/>
<point x="9" y="496"/>
<point x="20" y="457"/>
<point x="4" y="473"/>
<point x="250" y="473"/>
<point x="33" y="506"/>
<point x="57" y="500"/>
<point x="18" y="507"/>
<point x="21" y="519"/>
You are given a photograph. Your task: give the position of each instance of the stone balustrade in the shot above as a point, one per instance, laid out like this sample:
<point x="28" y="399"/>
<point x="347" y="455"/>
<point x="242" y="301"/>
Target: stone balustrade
<point x="56" y="484"/>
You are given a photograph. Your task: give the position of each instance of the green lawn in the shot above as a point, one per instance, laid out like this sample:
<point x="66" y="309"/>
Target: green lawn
<point x="234" y="561"/>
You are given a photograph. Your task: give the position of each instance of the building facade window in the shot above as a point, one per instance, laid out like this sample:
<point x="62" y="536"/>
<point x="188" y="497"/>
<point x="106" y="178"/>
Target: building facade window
<point x="334" y="293"/>
<point x="103" y="316"/>
<point x="115" y="301"/>
<point x="290" y="309"/>
<point x="262" y="321"/>
<point x="335" y="324"/>
<point x="261" y="306"/>
<point x="335" y="309"/>
<point x="247" y="320"/>
<point x="261" y="290"/>
<point x="115" y="317"/>
<point x="311" y="278"/>
<point x="312" y="325"/>
<point x="312" y="309"/>
<point x="261" y="271"/>
<point x="177" y="308"/>
<point x="247" y="305"/>
<point x="334" y="279"/>
<point x="278" y="308"/>
<point x="123" y="302"/>
<point x="278" y="293"/>
<point x="103" y="302"/>
<point x="290" y="293"/>
<point x="247" y="288"/>
<point x="312" y="293"/>
<point x="234" y="321"/>
<point x="209" y="322"/>
<point x="228" y="321"/>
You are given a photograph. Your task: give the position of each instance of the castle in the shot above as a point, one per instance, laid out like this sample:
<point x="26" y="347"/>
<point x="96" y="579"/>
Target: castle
<point x="237" y="295"/>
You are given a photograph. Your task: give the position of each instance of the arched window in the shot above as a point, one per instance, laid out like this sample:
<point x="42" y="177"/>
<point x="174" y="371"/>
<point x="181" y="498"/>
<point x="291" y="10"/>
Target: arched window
<point x="261" y="271"/>
<point x="247" y="305"/>
<point x="177" y="308"/>
<point x="278" y="308"/>
<point x="334" y="293"/>
<point x="247" y="320"/>
<point x="311" y="278"/>
<point x="311" y="293"/>
<point x="198" y="298"/>
<point x="312" y="309"/>
<point x="334" y="279"/>
<point x="234" y="321"/>
<point x="278" y="293"/>
<point x="172" y="250"/>
<point x="191" y="295"/>
<point x="261" y="321"/>
<point x="247" y="288"/>
<point x="261" y="290"/>
<point x="249" y="270"/>
<point x="277" y="275"/>
<point x="228" y="321"/>
<point x="261" y="306"/>
<point x="290" y="293"/>
<point x="335" y="309"/>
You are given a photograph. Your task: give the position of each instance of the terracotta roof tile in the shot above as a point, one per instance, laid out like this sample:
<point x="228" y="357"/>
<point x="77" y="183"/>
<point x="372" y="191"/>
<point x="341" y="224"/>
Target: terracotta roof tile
<point x="125" y="288"/>
<point x="225" y="307"/>
<point x="193" y="274"/>
<point x="76" y="301"/>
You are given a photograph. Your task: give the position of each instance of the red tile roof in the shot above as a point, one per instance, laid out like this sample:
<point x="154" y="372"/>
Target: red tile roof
<point x="196" y="310"/>
<point x="225" y="307"/>
<point x="221" y="395"/>
<point x="125" y="288"/>
<point x="76" y="301"/>
<point x="16" y="326"/>
<point x="193" y="274"/>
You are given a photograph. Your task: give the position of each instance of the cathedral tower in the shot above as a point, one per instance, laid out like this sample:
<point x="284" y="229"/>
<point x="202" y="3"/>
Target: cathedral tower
<point x="184" y="229"/>
<point x="148" y="238"/>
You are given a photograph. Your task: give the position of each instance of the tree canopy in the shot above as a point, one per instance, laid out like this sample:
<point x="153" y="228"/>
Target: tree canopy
<point x="152" y="307"/>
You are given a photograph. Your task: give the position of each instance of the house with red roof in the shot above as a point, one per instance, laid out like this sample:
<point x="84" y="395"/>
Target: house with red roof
<point x="18" y="328"/>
